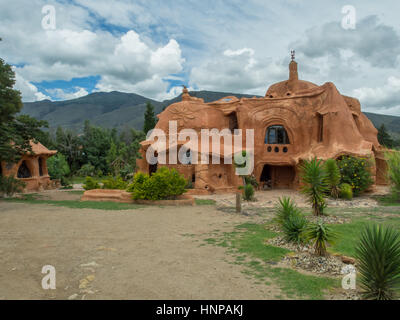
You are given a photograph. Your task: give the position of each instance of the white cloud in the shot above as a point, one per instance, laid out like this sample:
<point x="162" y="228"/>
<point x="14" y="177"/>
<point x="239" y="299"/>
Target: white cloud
<point x="384" y="98"/>
<point x="68" y="94"/>
<point x="28" y="91"/>
<point x="237" y="71"/>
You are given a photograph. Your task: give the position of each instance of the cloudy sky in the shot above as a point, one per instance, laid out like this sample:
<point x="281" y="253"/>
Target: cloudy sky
<point x="152" y="47"/>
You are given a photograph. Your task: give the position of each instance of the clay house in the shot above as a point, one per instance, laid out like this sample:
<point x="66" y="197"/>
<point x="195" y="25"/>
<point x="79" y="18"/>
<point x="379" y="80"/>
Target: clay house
<point x="31" y="168"/>
<point x="294" y="121"/>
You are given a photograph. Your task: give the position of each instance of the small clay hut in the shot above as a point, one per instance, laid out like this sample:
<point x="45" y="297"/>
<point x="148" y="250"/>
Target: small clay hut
<point x="31" y="168"/>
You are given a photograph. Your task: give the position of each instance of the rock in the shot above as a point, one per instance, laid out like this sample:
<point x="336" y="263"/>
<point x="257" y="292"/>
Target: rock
<point x="348" y="260"/>
<point x="73" y="296"/>
<point x="90" y="264"/>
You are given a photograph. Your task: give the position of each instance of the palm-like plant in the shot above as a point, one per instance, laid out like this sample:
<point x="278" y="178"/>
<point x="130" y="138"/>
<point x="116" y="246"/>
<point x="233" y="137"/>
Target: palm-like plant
<point x="378" y="254"/>
<point x="285" y="208"/>
<point x="293" y="228"/>
<point x="332" y="177"/>
<point x="313" y="178"/>
<point x="320" y="234"/>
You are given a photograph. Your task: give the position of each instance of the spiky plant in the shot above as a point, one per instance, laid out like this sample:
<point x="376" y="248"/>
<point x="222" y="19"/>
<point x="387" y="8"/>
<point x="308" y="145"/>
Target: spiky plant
<point x="378" y="255"/>
<point x="293" y="228"/>
<point x="332" y="177"/>
<point x="393" y="171"/>
<point x="314" y="184"/>
<point x="286" y="207"/>
<point x="319" y="235"/>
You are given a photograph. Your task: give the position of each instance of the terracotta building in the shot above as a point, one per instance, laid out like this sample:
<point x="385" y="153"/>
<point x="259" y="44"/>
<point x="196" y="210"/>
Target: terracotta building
<point x="296" y="120"/>
<point x="32" y="168"/>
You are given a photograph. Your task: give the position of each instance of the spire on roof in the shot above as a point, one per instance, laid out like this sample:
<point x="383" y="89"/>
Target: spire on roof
<point x="293" y="67"/>
<point x="185" y="93"/>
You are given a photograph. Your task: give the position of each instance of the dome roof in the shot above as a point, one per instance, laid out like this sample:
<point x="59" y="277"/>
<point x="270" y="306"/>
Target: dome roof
<point x="289" y="87"/>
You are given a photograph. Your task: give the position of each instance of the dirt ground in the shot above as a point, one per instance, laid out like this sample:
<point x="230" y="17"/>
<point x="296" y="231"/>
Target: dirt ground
<point x="149" y="253"/>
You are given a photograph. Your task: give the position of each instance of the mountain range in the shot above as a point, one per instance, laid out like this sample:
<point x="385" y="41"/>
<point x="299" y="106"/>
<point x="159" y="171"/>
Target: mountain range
<point x="124" y="110"/>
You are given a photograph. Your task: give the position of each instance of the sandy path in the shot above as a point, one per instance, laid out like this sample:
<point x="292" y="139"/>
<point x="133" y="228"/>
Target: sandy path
<point x="137" y="254"/>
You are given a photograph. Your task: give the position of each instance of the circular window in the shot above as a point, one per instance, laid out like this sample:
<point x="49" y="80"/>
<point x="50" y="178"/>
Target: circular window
<point x="269" y="149"/>
<point x="284" y="149"/>
<point x="276" y="149"/>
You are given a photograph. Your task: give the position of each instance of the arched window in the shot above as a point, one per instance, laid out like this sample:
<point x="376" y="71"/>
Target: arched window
<point x="276" y="135"/>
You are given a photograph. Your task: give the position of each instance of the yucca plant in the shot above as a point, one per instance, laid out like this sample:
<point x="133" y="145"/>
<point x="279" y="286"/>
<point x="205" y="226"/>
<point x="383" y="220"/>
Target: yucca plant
<point x="286" y="207"/>
<point x="332" y="177"/>
<point x="319" y="235"/>
<point x="378" y="255"/>
<point x="393" y="171"/>
<point x="293" y="228"/>
<point x="314" y="184"/>
<point x="248" y="192"/>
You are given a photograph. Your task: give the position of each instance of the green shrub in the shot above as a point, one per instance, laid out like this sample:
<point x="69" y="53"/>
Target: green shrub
<point x="58" y="166"/>
<point x="248" y="192"/>
<point x="251" y="180"/>
<point x="163" y="184"/>
<point x="378" y="254"/>
<point x="90" y="184"/>
<point x="114" y="183"/>
<point x="293" y="228"/>
<point x="346" y="191"/>
<point x="355" y="172"/>
<point x="9" y="186"/>
<point x="313" y="178"/>
<point x="284" y="209"/>
<point x="320" y="234"/>
<point x="332" y="177"/>
<point x="393" y="172"/>
<point x="66" y="183"/>
<point x="87" y="170"/>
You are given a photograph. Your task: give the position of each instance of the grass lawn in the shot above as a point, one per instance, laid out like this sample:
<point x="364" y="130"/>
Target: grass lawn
<point x="204" y="202"/>
<point x="247" y="245"/>
<point x="75" y="204"/>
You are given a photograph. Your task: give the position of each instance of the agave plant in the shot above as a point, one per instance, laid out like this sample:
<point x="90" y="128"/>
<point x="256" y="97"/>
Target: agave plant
<point x="332" y="177"/>
<point x="284" y="209"/>
<point x="378" y="254"/>
<point x="293" y="228"/>
<point x="314" y="184"/>
<point x="320" y="234"/>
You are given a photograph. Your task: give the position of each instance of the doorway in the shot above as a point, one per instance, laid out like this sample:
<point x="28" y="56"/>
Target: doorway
<point x="277" y="176"/>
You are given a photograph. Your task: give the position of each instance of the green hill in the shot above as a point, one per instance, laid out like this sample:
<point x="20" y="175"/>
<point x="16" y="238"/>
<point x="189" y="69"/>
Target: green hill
<point x="118" y="109"/>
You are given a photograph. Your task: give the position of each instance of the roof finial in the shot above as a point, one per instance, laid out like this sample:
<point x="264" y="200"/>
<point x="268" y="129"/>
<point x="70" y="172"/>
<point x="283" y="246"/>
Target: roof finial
<point x="292" y="53"/>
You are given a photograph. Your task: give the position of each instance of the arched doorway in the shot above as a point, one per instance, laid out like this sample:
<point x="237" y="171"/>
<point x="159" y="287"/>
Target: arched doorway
<point x="152" y="168"/>
<point x="41" y="162"/>
<point x="23" y="171"/>
<point x="273" y="176"/>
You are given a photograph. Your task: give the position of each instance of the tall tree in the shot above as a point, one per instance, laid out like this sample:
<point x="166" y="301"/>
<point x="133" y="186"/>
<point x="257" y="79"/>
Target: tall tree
<point x="384" y="137"/>
<point x="149" y="118"/>
<point x="15" y="131"/>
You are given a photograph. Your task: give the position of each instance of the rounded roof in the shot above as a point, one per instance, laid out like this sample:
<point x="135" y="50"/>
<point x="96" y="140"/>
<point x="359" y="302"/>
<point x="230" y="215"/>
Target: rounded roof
<point x="288" y="88"/>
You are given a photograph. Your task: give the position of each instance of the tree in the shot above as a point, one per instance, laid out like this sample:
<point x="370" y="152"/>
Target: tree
<point x="384" y="137"/>
<point x="149" y="118"/>
<point x="15" y="131"/>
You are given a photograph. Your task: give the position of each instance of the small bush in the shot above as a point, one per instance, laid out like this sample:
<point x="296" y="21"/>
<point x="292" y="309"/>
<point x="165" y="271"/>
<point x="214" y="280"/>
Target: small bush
<point x="114" y="183"/>
<point x="346" y="191"/>
<point x="90" y="184"/>
<point x="87" y="170"/>
<point x="9" y="186"/>
<point x="66" y="183"/>
<point x="378" y="254"/>
<point x="251" y="180"/>
<point x="393" y="172"/>
<point x="332" y="177"/>
<point x="320" y="234"/>
<point x="248" y="192"/>
<point x="355" y="172"/>
<point x="163" y="184"/>
<point x="293" y="228"/>
<point x="285" y="208"/>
